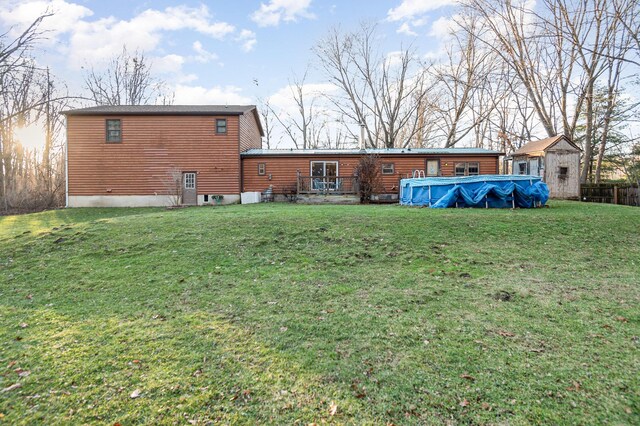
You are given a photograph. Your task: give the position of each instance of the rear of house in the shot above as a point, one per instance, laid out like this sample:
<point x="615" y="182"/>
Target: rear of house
<point x="288" y="171"/>
<point x="137" y="156"/>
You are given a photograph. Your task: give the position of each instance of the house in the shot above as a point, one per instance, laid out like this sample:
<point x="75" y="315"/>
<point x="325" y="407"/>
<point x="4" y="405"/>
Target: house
<point x="179" y="154"/>
<point x="130" y="155"/>
<point x="332" y="171"/>
<point x="556" y="160"/>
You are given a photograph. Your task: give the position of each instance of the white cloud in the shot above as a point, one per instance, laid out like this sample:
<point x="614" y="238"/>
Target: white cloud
<point x="270" y="15"/>
<point x="394" y="59"/>
<point x="410" y="9"/>
<point x="21" y="14"/>
<point x="444" y="26"/>
<point x="406" y="30"/>
<point x="198" y="95"/>
<point x="202" y="54"/>
<point x="248" y="40"/>
<point x="168" y="64"/>
<point x="283" y="102"/>
<point x="412" y="13"/>
<point x="97" y="41"/>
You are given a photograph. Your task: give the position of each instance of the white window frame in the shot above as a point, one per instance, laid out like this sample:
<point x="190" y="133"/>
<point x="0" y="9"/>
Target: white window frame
<point x="390" y="168"/>
<point x="190" y="180"/>
<point x="324" y="167"/>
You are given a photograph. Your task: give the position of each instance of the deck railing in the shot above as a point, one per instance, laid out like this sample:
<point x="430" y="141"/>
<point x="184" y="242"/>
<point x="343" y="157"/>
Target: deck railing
<point x="338" y="185"/>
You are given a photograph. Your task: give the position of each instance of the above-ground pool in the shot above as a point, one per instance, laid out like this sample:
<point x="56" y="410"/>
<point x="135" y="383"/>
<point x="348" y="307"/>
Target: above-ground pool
<point x="486" y="191"/>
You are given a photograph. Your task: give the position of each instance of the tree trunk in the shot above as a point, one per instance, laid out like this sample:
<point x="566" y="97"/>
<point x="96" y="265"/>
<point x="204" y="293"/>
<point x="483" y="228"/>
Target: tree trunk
<point x="588" y="142"/>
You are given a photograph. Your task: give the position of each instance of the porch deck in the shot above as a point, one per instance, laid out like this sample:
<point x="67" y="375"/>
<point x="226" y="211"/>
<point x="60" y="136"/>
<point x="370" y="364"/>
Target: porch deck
<point x="328" y="185"/>
<point x="328" y="189"/>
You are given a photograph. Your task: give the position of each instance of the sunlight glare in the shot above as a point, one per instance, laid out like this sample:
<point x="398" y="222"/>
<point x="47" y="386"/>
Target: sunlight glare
<point x="31" y="137"/>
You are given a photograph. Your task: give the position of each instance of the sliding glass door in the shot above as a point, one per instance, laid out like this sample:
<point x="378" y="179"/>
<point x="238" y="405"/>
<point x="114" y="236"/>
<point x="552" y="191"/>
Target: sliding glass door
<point x="323" y="175"/>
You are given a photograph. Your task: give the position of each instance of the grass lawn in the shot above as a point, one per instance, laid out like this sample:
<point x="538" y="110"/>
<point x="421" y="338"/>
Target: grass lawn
<point x="279" y="313"/>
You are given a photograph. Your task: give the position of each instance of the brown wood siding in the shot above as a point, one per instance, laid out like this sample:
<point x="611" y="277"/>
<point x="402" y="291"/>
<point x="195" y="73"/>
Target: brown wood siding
<point x="151" y="146"/>
<point x="281" y="170"/>
<point x="249" y="132"/>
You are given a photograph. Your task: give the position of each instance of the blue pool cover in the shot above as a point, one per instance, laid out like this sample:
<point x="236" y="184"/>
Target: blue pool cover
<point x="486" y="191"/>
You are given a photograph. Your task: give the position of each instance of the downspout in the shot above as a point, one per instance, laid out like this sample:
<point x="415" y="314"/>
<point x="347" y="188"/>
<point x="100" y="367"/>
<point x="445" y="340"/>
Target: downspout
<point x="66" y="164"/>
<point x="241" y="165"/>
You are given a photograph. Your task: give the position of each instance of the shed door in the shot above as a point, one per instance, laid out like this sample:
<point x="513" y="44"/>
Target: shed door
<point x="534" y="166"/>
<point x="189" y="192"/>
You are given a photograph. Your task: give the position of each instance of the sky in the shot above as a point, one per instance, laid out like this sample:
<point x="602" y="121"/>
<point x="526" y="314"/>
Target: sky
<point x="221" y="51"/>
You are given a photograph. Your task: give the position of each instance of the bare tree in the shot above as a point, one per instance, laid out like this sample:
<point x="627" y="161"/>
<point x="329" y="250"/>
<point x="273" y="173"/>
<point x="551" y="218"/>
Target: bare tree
<point x="466" y="99"/>
<point x="126" y="81"/>
<point x="173" y="185"/>
<point x="305" y="126"/>
<point x="558" y="53"/>
<point x="33" y="178"/>
<point x="18" y="99"/>
<point x="383" y="93"/>
<point x="268" y="122"/>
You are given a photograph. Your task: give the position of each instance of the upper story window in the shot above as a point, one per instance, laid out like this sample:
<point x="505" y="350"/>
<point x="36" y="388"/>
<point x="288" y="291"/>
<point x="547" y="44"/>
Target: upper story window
<point x="221" y="126"/>
<point x="114" y="131"/>
<point x="388" y="168"/>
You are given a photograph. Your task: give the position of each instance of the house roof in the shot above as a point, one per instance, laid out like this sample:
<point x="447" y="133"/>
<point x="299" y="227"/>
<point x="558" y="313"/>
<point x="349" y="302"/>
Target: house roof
<point x="541" y="145"/>
<point x="383" y="151"/>
<point x="161" y="110"/>
<point x="168" y="110"/>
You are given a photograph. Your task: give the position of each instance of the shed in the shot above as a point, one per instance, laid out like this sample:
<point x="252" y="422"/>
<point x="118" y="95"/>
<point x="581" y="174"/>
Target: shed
<point x="556" y="160"/>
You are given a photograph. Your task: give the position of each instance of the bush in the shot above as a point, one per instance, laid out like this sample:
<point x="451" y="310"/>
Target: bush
<point x="369" y="177"/>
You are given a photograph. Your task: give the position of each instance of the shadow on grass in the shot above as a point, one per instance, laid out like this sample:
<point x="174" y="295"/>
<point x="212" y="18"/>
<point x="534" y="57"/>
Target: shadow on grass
<point x="195" y="367"/>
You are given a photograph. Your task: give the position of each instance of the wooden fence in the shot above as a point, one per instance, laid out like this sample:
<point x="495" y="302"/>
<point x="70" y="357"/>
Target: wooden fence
<point x="627" y="194"/>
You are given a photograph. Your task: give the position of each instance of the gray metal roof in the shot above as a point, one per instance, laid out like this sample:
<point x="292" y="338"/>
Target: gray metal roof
<point x="161" y="110"/>
<point x="384" y="151"/>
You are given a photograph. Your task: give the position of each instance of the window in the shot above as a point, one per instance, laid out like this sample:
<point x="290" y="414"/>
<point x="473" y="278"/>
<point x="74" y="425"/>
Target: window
<point x="433" y="167"/>
<point x="563" y="172"/>
<point x="467" y="169"/>
<point x="189" y="181"/>
<point x="324" y="175"/>
<point x="114" y="132"/>
<point x="221" y="126"/>
<point x="522" y="168"/>
<point x="388" y="168"/>
<point x="262" y="169"/>
<point x="324" y="168"/>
